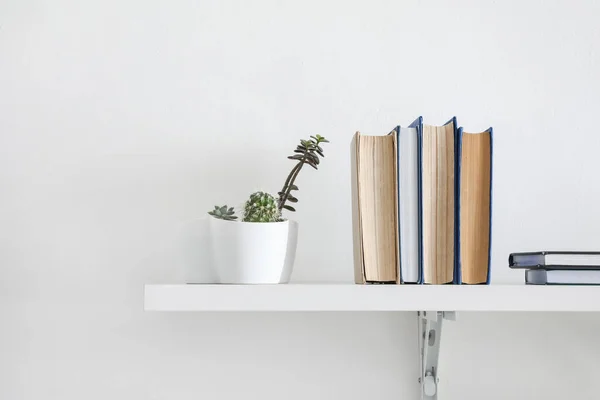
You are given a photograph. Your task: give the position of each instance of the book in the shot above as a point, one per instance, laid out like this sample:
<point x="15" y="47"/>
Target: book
<point x="438" y="186"/>
<point x="422" y="205"/>
<point x="555" y="260"/>
<point x="562" y="277"/>
<point x="474" y="206"/>
<point x="374" y="208"/>
<point x="409" y="202"/>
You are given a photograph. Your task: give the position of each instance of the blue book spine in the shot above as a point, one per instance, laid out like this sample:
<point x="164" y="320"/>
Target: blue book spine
<point x="418" y="124"/>
<point x="457" y="279"/>
<point x="489" y="272"/>
<point x="459" y="135"/>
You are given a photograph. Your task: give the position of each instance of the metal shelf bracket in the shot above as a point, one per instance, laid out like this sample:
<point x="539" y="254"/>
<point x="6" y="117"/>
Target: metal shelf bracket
<point x="430" y="333"/>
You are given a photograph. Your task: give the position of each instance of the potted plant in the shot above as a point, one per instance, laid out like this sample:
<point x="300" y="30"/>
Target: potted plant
<point x="262" y="247"/>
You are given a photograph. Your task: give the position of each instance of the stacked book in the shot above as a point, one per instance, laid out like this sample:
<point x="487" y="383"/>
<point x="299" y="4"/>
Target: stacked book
<point x="421" y="200"/>
<point x="558" y="267"/>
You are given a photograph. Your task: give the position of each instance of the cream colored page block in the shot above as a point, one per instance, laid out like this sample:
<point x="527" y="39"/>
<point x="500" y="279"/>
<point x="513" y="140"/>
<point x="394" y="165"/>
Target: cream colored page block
<point x="387" y="211"/>
<point x="367" y="202"/>
<point x="475" y="207"/>
<point x="438" y="204"/>
<point x="377" y="187"/>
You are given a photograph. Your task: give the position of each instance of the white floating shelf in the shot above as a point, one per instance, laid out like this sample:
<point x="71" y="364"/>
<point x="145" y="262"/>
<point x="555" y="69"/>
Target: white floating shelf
<point x="350" y="297"/>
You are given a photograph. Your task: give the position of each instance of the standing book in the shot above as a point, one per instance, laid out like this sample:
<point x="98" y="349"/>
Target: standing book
<point x="474" y="206"/>
<point x="438" y="185"/>
<point x="409" y="201"/>
<point x="374" y="208"/>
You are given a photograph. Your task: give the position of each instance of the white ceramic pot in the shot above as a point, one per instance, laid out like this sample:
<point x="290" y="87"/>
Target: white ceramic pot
<point x="252" y="252"/>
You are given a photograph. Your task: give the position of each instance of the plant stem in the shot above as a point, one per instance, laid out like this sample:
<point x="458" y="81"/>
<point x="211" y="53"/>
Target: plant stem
<point x="287" y="181"/>
<point x="290" y="181"/>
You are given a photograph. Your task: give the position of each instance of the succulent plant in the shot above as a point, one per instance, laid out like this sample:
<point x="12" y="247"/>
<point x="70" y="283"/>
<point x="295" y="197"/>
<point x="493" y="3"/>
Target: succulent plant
<point x="223" y="213"/>
<point x="307" y="152"/>
<point x="261" y="207"/>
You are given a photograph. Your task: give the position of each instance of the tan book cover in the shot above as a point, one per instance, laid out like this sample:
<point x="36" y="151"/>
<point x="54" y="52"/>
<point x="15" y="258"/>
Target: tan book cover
<point x="374" y="204"/>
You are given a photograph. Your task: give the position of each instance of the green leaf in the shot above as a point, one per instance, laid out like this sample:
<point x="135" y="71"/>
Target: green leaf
<point x="290" y="208"/>
<point x="311" y="164"/>
<point x="309" y="144"/>
<point x="313" y="158"/>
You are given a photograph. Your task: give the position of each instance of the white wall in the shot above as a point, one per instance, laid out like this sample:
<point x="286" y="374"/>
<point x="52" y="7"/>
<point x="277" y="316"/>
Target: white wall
<point x="122" y="120"/>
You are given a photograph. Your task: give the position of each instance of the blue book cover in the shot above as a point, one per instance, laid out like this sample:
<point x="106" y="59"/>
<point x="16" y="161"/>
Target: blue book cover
<point x="461" y="134"/>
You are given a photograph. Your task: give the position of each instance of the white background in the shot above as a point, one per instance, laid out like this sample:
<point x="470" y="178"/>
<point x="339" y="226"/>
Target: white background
<point x="122" y="120"/>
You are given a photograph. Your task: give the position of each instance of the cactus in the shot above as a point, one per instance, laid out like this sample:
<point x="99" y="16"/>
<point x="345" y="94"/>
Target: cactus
<point x="261" y="207"/>
<point x="223" y="213"/>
